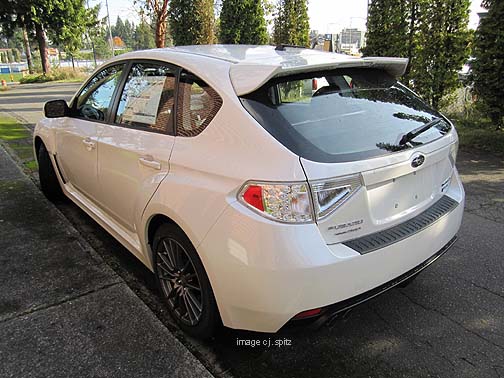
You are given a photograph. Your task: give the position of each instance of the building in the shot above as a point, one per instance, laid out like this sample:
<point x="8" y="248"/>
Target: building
<point x="351" y="40"/>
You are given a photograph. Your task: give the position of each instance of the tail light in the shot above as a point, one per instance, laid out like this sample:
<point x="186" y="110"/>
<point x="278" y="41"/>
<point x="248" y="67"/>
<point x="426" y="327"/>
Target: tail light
<point x="295" y="202"/>
<point x="331" y="194"/>
<point x="285" y="202"/>
<point x="314" y="84"/>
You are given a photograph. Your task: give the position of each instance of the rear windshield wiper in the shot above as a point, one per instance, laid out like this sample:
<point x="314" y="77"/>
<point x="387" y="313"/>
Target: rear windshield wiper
<point x="416" y="132"/>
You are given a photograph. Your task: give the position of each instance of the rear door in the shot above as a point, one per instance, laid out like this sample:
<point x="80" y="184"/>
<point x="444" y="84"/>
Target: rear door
<point x="134" y="151"/>
<point x="384" y="192"/>
<point x="374" y="153"/>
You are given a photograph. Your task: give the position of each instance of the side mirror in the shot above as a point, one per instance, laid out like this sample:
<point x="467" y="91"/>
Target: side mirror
<point x="56" y="109"/>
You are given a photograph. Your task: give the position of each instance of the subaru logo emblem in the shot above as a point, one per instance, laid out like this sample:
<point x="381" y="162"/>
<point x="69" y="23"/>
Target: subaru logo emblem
<point x="417" y="161"/>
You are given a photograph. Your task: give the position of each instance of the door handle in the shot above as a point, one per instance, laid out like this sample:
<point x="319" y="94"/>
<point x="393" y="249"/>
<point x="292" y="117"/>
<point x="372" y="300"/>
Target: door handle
<point x="149" y="161"/>
<point x="90" y="145"/>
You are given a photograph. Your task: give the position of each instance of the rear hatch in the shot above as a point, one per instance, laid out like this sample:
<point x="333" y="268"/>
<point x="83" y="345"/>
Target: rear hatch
<point x="374" y="153"/>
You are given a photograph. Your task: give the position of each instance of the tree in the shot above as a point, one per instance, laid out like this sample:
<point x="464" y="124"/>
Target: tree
<point x="70" y="33"/>
<point x="192" y="22"/>
<point x="387" y="28"/>
<point x="156" y="10"/>
<point x="143" y="38"/>
<point x="433" y="35"/>
<point x="16" y="56"/>
<point x="291" y="25"/>
<point x="129" y="33"/>
<point x="488" y="64"/>
<point x="58" y="17"/>
<point x="443" y="48"/>
<point x="99" y="38"/>
<point x="248" y="28"/>
<point x="118" y="28"/>
<point x="125" y="30"/>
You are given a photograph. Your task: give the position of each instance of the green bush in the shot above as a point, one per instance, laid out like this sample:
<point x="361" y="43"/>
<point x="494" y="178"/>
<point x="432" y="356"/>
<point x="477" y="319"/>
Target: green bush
<point x="57" y="74"/>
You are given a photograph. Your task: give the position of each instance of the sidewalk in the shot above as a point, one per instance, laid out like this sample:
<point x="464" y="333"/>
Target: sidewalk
<point x="63" y="311"/>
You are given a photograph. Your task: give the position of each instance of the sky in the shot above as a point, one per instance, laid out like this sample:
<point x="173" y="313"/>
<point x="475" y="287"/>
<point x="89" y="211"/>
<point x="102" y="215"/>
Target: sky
<point x="326" y="16"/>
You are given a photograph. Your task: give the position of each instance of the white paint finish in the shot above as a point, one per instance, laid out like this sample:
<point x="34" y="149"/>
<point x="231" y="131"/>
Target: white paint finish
<point x="262" y="272"/>
<point x="248" y="67"/>
<point x="390" y="194"/>
<point x="126" y="180"/>
<point x="76" y="142"/>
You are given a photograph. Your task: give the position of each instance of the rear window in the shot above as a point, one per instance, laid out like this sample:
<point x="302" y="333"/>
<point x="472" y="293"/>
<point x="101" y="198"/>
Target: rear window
<point x="343" y="115"/>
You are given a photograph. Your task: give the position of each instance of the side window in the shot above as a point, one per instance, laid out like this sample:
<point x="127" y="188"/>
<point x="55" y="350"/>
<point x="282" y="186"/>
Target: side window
<point x="94" y="100"/>
<point x="198" y="103"/>
<point x="148" y="98"/>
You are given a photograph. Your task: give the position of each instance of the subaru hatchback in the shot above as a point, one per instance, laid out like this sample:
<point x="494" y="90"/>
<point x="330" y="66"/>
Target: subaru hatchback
<point x="261" y="185"/>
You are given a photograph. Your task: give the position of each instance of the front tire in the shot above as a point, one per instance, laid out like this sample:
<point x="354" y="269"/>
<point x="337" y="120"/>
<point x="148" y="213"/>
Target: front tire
<point x="183" y="282"/>
<point x="49" y="183"/>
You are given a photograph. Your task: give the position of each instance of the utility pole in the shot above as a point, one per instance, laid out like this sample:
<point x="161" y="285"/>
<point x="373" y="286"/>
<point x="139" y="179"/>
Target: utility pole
<point x="109" y="28"/>
<point x="91" y="40"/>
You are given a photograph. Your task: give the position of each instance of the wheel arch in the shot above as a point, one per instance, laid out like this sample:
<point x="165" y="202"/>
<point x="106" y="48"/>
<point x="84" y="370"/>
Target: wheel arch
<point x="154" y="222"/>
<point x="37" y="142"/>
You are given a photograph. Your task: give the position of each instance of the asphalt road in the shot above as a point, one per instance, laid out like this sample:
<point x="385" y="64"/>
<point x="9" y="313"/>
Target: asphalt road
<point x="448" y="323"/>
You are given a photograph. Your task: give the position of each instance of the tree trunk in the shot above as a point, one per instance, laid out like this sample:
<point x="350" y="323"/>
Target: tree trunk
<point x="44" y="53"/>
<point x="160" y="33"/>
<point x="411" y="40"/>
<point x="26" y="43"/>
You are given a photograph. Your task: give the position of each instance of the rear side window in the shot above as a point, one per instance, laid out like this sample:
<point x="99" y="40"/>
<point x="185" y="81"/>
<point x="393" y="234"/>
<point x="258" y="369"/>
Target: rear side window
<point x="148" y="98"/>
<point x="94" y="101"/>
<point x="198" y="103"/>
<point x="343" y="115"/>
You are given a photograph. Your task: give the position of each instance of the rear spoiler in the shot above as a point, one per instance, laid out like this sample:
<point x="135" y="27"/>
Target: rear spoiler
<point x="247" y="77"/>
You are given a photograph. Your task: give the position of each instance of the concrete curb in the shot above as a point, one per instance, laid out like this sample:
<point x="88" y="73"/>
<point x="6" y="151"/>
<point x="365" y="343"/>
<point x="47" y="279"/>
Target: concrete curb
<point x="15" y="324"/>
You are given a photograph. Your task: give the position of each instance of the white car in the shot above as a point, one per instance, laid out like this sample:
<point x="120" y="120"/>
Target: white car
<point x="262" y="185"/>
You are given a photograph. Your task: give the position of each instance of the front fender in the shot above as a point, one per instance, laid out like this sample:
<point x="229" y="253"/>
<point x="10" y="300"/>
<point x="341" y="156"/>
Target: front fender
<point x="46" y="130"/>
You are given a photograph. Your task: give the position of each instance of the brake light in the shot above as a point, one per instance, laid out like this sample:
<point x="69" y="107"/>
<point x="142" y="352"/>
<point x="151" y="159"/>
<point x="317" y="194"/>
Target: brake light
<point x="293" y="202"/>
<point x="331" y="194"/>
<point x="314" y="84"/>
<point x="289" y="203"/>
<point x="253" y="196"/>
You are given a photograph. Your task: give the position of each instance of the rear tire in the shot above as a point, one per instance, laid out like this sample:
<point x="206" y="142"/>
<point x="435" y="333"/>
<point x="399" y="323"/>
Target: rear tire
<point x="49" y="183"/>
<point x="183" y="283"/>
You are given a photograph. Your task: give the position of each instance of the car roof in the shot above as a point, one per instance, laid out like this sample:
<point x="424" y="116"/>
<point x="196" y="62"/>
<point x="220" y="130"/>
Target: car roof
<point x="250" y="66"/>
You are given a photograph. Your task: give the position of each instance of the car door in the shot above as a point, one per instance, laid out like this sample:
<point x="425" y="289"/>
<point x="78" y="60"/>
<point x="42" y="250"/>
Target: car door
<point x="134" y="152"/>
<point x="76" y="140"/>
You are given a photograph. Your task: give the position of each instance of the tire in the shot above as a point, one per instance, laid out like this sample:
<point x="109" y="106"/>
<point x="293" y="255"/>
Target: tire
<point x="49" y="183"/>
<point x="183" y="283"/>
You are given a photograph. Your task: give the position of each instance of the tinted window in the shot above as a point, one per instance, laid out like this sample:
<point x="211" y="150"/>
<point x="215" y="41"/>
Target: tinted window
<point x="198" y="103"/>
<point x="343" y="115"/>
<point x="148" y="97"/>
<point x="95" y="99"/>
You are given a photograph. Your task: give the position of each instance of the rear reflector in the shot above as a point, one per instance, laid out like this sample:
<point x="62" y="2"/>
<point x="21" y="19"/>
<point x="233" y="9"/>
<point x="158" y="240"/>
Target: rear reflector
<point x="307" y="314"/>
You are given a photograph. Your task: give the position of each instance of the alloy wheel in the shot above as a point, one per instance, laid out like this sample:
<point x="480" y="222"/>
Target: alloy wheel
<point x="179" y="281"/>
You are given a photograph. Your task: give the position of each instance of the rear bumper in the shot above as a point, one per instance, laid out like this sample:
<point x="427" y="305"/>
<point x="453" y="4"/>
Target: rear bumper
<point x="264" y="273"/>
<point x="333" y="310"/>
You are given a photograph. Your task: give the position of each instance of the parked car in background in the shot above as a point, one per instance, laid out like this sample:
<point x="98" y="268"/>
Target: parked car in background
<point x="261" y="185"/>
